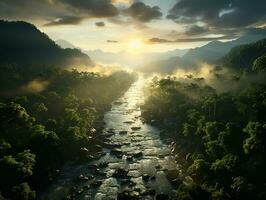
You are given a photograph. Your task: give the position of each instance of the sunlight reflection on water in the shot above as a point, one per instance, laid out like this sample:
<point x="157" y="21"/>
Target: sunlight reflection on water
<point x="155" y="161"/>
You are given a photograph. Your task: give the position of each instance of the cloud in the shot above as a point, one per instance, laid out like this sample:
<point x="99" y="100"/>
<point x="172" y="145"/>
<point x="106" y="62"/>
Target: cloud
<point x="143" y="13"/>
<point x="184" y="40"/>
<point x="220" y="14"/>
<point x="95" y="8"/>
<point x="100" y="24"/>
<point x="57" y="12"/>
<point x="28" y="9"/>
<point x="66" y="20"/>
<point x="112" y="41"/>
<point x="196" y="30"/>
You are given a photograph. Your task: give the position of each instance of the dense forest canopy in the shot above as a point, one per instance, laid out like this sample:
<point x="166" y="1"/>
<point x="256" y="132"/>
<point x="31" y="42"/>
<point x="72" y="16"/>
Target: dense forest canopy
<point x="42" y="129"/>
<point x="219" y="135"/>
<point x="132" y="100"/>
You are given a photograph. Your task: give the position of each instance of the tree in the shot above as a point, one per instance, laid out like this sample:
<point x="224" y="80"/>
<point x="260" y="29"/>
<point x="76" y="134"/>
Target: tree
<point x="13" y="170"/>
<point x="259" y="64"/>
<point x="256" y="141"/>
<point x="23" y="192"/>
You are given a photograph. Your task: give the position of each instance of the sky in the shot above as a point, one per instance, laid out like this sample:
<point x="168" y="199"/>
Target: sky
<point x="139" y="25"/>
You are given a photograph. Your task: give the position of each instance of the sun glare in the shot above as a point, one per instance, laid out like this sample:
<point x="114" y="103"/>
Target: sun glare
<point x="135" y="44"/>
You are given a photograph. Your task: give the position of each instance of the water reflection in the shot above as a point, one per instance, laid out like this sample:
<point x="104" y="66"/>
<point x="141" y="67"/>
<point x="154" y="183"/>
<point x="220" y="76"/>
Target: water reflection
<point x="144" y="158"/>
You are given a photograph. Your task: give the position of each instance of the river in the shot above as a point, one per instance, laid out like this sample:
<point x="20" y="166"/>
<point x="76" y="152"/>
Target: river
<point x="138" y="166"/>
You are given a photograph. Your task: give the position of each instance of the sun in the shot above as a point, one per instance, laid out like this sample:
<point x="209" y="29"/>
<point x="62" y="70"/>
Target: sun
<point x="135" y="44"/>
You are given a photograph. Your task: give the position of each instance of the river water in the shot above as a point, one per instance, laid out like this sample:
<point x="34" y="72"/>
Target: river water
<point x="137" y="165"/>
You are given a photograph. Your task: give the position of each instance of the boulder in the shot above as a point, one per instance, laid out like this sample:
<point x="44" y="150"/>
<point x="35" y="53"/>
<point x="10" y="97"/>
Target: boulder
<point x="145" y="177"/>
<point x="138" y="155"/>
<point x="103" y="165"/>
<point x="129" y="122"/>
<point x="176" y="182"/>
<point x="117" y="153"/>
<point x="118" y="103"/>
<point x="129" y="158"/>
<point x="122" y="132"/>
<point x="120" y="173"/>
<point x="172" y="175"/>
<point x="135" y="128"/>
<point x="96" y="184"/>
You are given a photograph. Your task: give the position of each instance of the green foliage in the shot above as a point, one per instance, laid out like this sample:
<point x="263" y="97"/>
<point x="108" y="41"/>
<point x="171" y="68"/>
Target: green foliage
<point x="228" y="162"/>
<point x="259" y="64"/>
<point x="199" y="167"/>
<point x="23" y="192"/>
<point x="40" y="131"/>
<point x="16" y="169"/>
<point x="192" y="192"/>
<point x="256" y="141"/>
<point x="243" y="57"/>
<point x="221" y="136"/>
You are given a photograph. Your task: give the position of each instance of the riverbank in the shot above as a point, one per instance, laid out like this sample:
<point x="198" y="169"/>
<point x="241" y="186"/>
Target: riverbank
<point x="135" y="163"/>
<point x="50" y="116"/>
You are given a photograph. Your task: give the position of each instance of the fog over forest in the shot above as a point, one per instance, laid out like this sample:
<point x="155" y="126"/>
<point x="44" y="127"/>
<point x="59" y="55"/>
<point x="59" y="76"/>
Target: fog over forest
<point x="132" y="100"/>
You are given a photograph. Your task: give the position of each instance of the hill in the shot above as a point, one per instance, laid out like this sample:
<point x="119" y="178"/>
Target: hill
<point x="65" y="44"/>
<point x="216" y="49"/>
<point x="124" y="58"/>
<point x="245" y="56"/>
<point x="208" y="53"/>
<point x="23" y="44"/>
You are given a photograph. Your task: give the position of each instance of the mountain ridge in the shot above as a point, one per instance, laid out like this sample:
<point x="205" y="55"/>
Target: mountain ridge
<point x="24" y="44"/>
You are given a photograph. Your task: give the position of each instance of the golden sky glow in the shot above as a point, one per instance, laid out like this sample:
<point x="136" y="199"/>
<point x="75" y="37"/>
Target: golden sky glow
<point x="135" y="44"/>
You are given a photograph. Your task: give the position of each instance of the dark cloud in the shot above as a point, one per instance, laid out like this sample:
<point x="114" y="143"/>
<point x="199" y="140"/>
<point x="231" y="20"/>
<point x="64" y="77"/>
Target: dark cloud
<point x="112" y="41"/>
<point x="100" y="24"/>
<point x="53" y="10"/>
<point x="95" y="8"/>
<point x="28" y="9"/>
<point x="158" y="40"/>
<point x="184" y="40"/>
<point x="196" y="30"/>
<point x="219" y="14"/>
<point x="66" y="20"/>
<point x="143" y="13"/>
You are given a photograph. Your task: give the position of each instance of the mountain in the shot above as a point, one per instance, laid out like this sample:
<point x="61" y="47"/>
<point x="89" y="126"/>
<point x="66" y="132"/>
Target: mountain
<point x="216" y="49"/>
<point x="65" y="44"/>
<point x="132" y="59"/>
<point x="124" y="58"/>
<point x="245" y="56"/>
<point x="208" y="53"/>
<point x="23" y="44"/>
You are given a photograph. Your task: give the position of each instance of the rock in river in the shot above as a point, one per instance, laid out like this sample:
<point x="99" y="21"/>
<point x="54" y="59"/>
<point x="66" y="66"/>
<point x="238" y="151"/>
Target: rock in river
<point x="138" y="155"/>
<point x="120" y="173"/>
<point x="123" y="132"/>
<point x="135" y="128"/>
<point x="117" y="153"/>
<point x="145" y="177"/>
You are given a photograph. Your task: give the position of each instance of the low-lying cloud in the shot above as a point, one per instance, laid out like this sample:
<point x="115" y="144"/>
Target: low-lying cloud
<point x="183" y="40"/>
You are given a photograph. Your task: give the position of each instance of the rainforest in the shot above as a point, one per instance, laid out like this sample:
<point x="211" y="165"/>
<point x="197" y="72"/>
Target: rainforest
<point x="132" y="100"/>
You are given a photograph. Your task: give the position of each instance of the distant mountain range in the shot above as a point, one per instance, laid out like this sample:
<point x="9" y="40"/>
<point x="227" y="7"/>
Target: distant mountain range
<point x="23" y="44"/>
<point x="209" y="53"/>
<point x="124" y="58"/>
<point x="168" y="62"/>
